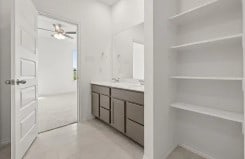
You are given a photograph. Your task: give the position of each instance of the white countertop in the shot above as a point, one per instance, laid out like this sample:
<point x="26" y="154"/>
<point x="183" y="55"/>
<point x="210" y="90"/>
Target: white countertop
<point x="122" y="85"/>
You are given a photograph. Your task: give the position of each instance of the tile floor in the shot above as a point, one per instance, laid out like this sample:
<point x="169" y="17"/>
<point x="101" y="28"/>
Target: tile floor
<point x="91" y="140"/>
<point x="56" y="111"/>
<point x="181" y="153"/>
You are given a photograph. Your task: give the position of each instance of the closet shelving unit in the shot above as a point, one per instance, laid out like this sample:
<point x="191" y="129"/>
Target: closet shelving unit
<point x="197" y="11"/>
<point x="222" y="40"/>
<point x="185" y="18"/>
<point x="232" y="116"/>
<point x="204" y="9"/>
<point x="208" y="78"/>
<point x="189" y="14"/>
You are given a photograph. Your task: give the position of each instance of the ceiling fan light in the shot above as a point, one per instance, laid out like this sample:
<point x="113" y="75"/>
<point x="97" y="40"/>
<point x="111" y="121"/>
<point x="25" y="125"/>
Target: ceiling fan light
<point x="59" y="36"/>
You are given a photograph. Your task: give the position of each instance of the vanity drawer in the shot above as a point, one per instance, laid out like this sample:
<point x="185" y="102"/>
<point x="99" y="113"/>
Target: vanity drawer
<point x="105" y="101"/>
<point x="135" y="97"/>
<point x="135" y="131"/>
<point x="101" y="90"/>
<point x="135" y="112"/>
<point x="105" y="115"/>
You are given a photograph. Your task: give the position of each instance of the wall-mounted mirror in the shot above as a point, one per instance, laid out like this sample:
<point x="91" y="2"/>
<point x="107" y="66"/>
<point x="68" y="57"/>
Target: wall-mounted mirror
<point x="128" y="53"/>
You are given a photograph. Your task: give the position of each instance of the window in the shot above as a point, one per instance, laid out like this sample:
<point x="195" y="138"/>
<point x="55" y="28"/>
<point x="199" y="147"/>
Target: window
<point x="138" y="61"/>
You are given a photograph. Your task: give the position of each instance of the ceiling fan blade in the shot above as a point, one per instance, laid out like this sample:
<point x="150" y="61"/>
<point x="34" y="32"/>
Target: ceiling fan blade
<point x="46" y="29"/>
<point x="68" y="36"/>
<point x="71" y="32"/>
<point x="57" y="27"/>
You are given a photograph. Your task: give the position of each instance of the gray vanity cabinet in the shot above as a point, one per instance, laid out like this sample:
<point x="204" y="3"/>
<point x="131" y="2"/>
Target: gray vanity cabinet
<point x="118" y="114"/>
<point x="95" y="104"/>
<point x="122" y="109"/>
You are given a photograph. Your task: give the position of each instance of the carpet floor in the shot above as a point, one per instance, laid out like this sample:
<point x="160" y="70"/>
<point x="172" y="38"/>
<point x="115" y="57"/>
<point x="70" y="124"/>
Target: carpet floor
<point x="57" y="111"/>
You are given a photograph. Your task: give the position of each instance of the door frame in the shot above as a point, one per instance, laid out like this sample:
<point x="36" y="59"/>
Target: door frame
<point x="52" y="16"/>
<point x="12" y="77"/>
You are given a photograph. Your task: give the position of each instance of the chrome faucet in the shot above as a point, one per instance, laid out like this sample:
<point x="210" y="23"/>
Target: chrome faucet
<point x="116" y="79"/>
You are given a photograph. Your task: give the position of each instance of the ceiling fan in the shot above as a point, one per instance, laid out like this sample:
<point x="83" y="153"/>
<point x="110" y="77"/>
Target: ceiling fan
<point x="59" y="33"/>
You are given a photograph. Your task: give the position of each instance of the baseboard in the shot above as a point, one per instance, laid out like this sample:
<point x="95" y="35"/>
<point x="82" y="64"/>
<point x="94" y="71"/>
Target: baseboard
<point x="165" y="156"/>
<point x="204" y="155"/>
<point x="169" y="152"/>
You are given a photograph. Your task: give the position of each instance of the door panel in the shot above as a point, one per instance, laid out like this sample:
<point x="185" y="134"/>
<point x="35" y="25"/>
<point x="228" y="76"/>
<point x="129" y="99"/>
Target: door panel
<point x="118" y="114"/>
<point x="28" y="68"/>
<point x="27" y="41"/>
<point x="27" y="95"/>
<point x="27" y="123"/>
<point x="25" y="68"/>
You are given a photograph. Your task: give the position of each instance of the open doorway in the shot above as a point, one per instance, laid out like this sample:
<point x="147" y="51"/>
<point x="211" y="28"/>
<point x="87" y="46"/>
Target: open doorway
<point x="57" y="73"/>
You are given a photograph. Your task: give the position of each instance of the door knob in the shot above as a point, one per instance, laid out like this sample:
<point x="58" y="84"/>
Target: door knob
<point x="18" y="82"/>
<point x="9" y="82"/>
<point x="12" y="82"/>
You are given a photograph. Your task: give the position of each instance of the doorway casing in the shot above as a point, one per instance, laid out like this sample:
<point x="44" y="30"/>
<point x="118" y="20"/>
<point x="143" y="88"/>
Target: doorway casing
<point x="78" y="56"/>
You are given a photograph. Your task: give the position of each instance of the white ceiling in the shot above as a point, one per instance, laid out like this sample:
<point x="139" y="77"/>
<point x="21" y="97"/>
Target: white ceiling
<point x="47" y="23"/>
<point x="109" y="2"/>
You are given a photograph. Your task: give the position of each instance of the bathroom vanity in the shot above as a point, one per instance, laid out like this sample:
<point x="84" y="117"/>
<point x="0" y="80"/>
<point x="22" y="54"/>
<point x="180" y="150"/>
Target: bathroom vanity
<point x="121" y="106"/>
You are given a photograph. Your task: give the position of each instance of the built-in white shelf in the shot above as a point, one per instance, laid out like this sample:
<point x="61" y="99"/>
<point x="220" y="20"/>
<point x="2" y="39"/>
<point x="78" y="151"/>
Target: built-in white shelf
<point x="228" y="115"/>
<point x="208" y="78"/>
<point x="204" y="9"/>
<point x="222" y="40"/>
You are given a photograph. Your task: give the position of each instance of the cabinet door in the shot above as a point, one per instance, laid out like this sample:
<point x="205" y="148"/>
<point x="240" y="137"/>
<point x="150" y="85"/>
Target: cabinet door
<point x="118" y="114"/>
<point x="105" y="115"/>
<point x="95" y="104"/>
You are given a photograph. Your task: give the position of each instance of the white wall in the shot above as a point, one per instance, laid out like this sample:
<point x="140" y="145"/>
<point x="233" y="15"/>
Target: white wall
<point x="5" y="57"/>
<point x="127" y="13"/>
<point x="94" y="19"/>
<point x="55" y="66"/>
<point x="149" y="80"/>
<point x="159" y="117"/>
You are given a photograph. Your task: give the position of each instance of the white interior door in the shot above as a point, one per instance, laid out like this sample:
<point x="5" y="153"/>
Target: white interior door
<point x="25" y="77"/>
